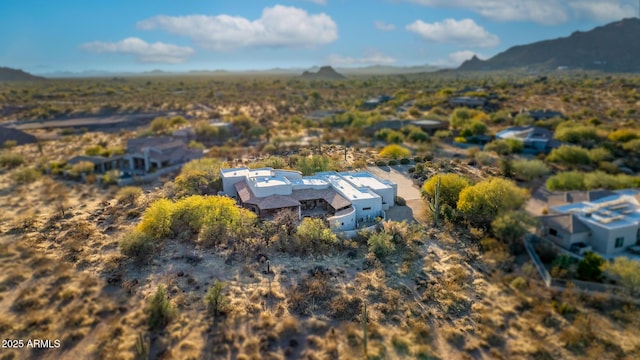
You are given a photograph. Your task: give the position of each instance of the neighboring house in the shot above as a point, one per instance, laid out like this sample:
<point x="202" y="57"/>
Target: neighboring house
<point x="348" y="201"/>
<point x="608" y="221"/>
<point x="468" y="101"/>
<point x="535" y="139"/>
<point x="374" y="102"/>
<point x="189" y="132"/>
<point x="431" y="126"/>
<point x="144" y="155"/>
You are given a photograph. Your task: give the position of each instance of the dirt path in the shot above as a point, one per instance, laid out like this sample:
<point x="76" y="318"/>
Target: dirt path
<point x="416" y="208"/>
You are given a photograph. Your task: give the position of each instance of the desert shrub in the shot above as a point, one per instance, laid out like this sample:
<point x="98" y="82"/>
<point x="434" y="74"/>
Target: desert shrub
<point x="393" y="163"/>
<point x="111" y="177"/>
<point x="196" y="145"/>
<point x="156" y="220"/>
<point x="632" y="145"/>
<point x="460" y="139"/>
<point x="626" y="271"/>
<point x="519" y="283"/>
<point x="309" y="165"/>
<point x="529" y="169"/>
<point x="565" y="181"/>
<point x="380" y="244"/>
<point x="483" y="201"/>
<point x="10" y="161"/>
<point x="590" y="268"/>
<point x="159" y="310"/>
<point x="623" y="135"/>
<point x="394" y="151"/>
<point x="418" y="159"/>
<point x="160" y="125"/>
<point x="484" y="158"/>
<point x="128" y="195"/>
<point x="83" y="167"/>
<point x="217" y="303"/>
<point x="450" y="187"/>
<point x="511" y="227"/>
<point x="136" y="244"/>
<point x="315" y="236"/>
<point x="443" y="134"/>
<point x="404" y="161"/>
<point x="577" y="134"/>
<point x="96" y="150"/>
<point x="417" y="135"/>
<point x="400" y="201"/>
<point x="8" y="144"/>
<point x="199" y="177"/>
<point x="600" y="154"/>
<point x="505" y="146"/>
<point x="26" y="175"/>
<point x="381" y="163"/>
<point x="474" y="127"/>
<point x="569" y="155"/>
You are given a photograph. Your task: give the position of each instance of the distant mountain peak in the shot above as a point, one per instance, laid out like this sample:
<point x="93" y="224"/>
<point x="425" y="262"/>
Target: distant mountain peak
<point x="613" y="48"/>
<point x="324" y="73"/>
<point x="9" y="74"/>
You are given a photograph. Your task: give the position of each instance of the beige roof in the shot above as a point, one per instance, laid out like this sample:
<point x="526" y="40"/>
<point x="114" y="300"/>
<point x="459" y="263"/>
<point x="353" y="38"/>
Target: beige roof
<point x="566" y="222"/>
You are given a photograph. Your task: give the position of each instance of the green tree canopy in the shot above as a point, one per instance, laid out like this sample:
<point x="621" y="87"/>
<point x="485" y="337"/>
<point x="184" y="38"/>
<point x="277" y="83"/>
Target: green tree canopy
<point x="484" y="201"/>
<point x="450" y="187"/>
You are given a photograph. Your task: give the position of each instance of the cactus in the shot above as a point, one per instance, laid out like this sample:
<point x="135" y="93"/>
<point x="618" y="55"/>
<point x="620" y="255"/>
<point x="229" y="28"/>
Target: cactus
<point x="142" y="350"/>
<point x="434" y="203"/>
<point x="364" y="319"/>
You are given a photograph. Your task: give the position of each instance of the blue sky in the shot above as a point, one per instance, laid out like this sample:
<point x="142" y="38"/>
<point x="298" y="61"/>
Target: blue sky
<point x="135" y="35"/>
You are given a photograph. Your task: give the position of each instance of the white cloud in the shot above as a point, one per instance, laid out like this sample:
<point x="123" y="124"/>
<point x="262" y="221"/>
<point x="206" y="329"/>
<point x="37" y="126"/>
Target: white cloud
<point x="604" y="10"/>
<point x="383" y="26"/>
<point x="370" y="59"/>
<point x="464" y="32"/>
<point x="548" y="12"/>
<point x="157" y="52"/>
<point x="279" y="26"/>
<point x="319" y="2"/>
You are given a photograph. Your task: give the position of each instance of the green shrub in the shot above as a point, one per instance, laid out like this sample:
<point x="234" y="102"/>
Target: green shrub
<point x="10" y="144"/>
<point x="111" y="177"/>
<point x="590" y="268"/>
<point x="83" y="167"/>
<point x="159" y="310"/>
<point x="394" y="151"/>
<point x="313" y="235"/>
<point x="570" y="155"/>
<point x="26" y="175"/>
<point x="417" y="159"/>
<point x="380" y="244"/>
<point x="128" y="195"/>
<point x="505" y="146"/>
<point x="393" y="163"/>
<point x="400" y="201"/>
<point x="156" y="220"/>
<point x="600" y="154"/>
<point x="136" y="244"/>
<point x="529" y="169"/>
<point x="10" y="161"/>
<point x="623" y="135"/>
<point x="217" y="303"/>
<point x="519" y="283"/>
<point x="443" y="134"/>
<point x="381" y="163"/>
<point x="577" y="134"/>
<point x="566" y="181"/>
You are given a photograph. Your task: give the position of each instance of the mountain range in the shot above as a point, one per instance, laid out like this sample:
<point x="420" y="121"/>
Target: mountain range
<point x="614" y="47"/>
<point x="8" y="74"/>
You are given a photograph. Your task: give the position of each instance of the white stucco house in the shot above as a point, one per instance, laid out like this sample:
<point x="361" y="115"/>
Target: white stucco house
<point x="608" y="221"/>
<point x="348" y="200"/>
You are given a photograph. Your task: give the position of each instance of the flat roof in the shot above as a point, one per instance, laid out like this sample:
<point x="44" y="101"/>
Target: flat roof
<point x="347" y="189"/>
<point x="268" y="181"/>
<point x="363" y="179"/>
<point x="246" y="172"/>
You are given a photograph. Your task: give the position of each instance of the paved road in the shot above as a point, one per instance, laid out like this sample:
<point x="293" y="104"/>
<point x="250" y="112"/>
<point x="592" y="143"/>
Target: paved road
<point x="416" y="208"/>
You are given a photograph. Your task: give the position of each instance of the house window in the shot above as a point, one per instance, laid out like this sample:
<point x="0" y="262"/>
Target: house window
<point x="553" y="232"/>
<point x="619" y="242"/>
<point x="365" y="209"/>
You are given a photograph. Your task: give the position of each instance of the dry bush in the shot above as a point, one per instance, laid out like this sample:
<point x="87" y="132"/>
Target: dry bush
<point x="128" y="195"/>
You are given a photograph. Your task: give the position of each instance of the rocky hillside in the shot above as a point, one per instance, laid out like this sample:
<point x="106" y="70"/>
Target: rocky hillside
<point x="325" y="73"/>
<point x="8" y="74"/>
<point x="613" y="47"/>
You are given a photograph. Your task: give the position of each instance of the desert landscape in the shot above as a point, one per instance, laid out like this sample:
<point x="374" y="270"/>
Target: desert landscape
<point x="485" y="211"/>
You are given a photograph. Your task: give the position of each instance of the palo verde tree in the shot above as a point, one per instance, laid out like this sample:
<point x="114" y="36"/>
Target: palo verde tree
<point x="483" y="202"/>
